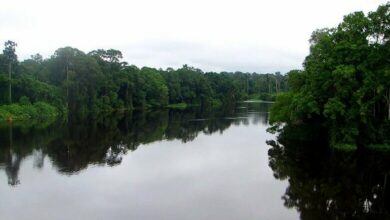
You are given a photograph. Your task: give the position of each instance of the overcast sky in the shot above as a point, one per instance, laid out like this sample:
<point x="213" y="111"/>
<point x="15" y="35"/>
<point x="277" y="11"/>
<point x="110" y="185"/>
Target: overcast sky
<point x="240" y="35"/>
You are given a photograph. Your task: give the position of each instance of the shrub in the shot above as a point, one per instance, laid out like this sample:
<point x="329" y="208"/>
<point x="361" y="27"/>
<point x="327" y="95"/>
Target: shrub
<point x="38" y="110"/>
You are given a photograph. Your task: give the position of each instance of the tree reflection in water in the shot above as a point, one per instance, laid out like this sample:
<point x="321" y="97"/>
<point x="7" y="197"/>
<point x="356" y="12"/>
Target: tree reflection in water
<point x="327" y="184"/>
<point x="73" y="146"/>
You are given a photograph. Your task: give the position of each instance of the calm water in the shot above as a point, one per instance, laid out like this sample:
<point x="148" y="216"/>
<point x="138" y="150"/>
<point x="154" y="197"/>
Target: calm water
<point x="189" y="164"/>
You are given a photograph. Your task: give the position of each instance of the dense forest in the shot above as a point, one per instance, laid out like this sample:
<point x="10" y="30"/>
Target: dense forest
<point x="344" y="87"/>
<point x="74" y="82"/>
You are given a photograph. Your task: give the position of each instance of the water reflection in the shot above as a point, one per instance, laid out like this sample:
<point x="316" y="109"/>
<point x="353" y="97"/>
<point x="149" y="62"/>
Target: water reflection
<point x="326" y="184"/>
<point x="71" y="147"/>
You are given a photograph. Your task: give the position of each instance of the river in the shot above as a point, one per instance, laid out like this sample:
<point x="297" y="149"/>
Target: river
<point x="191" y="164"/>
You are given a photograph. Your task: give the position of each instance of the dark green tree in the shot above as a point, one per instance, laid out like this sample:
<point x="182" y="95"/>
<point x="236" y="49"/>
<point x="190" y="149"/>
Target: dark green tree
<point x="345" y="82"/>
<point x="10" y="55"/>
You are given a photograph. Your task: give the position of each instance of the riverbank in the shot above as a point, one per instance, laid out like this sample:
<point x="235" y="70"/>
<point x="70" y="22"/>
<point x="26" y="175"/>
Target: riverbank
<point x="258" y="101"/>
<point x="179" y="106"/>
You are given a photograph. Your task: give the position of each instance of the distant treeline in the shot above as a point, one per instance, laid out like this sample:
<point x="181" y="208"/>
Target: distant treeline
<point x="99" y="81"/>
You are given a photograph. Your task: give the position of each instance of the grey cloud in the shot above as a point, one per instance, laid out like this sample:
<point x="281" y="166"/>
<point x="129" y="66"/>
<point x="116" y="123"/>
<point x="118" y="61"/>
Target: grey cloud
<point x="247" y="58"/>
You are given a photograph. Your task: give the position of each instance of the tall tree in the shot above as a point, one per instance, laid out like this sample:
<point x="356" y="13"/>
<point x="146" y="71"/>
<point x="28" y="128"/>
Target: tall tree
<point x="63" y="65"/>
<point x="10" y="55"/>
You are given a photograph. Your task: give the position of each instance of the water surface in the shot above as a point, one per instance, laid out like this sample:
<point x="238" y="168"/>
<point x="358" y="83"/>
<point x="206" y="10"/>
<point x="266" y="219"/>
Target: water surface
<point x="189" y="164"/>
<point x="192" y="164"/>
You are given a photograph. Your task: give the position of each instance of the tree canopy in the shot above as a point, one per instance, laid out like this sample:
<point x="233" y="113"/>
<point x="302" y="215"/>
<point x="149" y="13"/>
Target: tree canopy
<point x="99" y="81"/>
<point x="345" y="83"/>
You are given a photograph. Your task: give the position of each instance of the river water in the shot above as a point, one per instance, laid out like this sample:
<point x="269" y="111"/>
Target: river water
<point x="192" y="164"/>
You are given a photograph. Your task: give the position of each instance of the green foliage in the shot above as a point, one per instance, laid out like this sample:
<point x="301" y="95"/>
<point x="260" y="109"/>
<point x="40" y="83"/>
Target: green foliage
<point x="345" y="147"/>
<point x="345" y="84"/>
<point x="178" y="106"/>
<point x="380" y="147"/>
<point x="156" y="92"/>
<point x="45" y="110"/>
<point x="9" y="51"/>
<point x="97" y="82"/>
<point x="334" y="108"/>
<point x="24" y="101"/>
<point x="281" y="109"/>
<point x="36" y="111"/>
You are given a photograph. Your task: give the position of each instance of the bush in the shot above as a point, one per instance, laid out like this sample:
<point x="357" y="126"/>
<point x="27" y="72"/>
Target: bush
<point x="178" y="106"/>
<point x="24" y="100"/>
<point x="379" y="147"/>
<point x="4" y="114"/>
<point x="39" y="110"/>
<point x="345" y="147"/>
<point x="17" y="112"/>
<point x="45" y="110"/>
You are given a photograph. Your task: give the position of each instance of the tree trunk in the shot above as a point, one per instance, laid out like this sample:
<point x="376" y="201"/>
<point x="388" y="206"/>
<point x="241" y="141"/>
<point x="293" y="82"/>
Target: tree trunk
<point x="385" y="184"/>
<point x="9" y="84"/>
<point x="388" y="110"/>
<point x="269" y="86"/>
<point x="247" y="85"/>
<point x="127" y="96"/>
<point x="374" y="109"/>
<point x="67" y="82"/>
<point x="276" y="84"/>
<point x="388" y="103"/>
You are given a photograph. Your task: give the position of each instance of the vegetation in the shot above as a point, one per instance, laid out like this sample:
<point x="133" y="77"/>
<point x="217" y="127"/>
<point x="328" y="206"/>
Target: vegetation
<point x="178" y="106"/>
<point x="95" y="82"/>
<point x="345" y="83"/>
<point x="23" y="111"/>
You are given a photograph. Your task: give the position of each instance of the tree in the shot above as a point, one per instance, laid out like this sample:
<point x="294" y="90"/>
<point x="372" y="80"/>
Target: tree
<point x="345" y="84"/>
<point x="62" y="61"/>
<point x="10" y="55"/>
<point x="155" y="88"/>
<point x="99" y="81"/>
